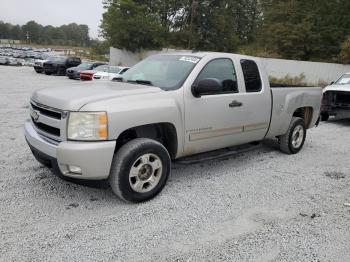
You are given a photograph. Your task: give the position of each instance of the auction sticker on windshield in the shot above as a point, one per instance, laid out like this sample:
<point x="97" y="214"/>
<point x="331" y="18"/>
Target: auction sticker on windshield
<point x="190" y="59"/>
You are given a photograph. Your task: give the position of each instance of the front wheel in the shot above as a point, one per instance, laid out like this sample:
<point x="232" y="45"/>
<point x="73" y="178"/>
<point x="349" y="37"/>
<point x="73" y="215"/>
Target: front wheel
<point x="324" y="116"/>
<point x="292" y="142"/>
<point x="140" y="170"/>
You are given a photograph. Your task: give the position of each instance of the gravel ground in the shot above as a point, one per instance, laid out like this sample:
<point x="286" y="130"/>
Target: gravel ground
<point x="258" y="206"/>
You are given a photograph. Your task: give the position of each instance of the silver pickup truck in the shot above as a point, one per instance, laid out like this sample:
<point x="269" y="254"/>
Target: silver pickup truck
<point x="164" y="108"/>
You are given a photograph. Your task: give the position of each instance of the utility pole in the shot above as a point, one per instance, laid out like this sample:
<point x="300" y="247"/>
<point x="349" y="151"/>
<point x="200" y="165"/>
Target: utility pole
<point x="28" y="37"/>
<point x="193" y="13"/>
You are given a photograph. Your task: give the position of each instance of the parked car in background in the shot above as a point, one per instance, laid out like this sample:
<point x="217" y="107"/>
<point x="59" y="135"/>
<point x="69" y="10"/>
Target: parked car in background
<point x="14" y="62"/>
<point x="113" y="72"/>
<point x="4" y="60"/>
<point x="87" y="75"/>
<point x="39" y="63"/>
<point x="336" y="99"/>
<point x="59" y="64"/>
<point x="166" y="107"/>
<point x="74" y="72"/>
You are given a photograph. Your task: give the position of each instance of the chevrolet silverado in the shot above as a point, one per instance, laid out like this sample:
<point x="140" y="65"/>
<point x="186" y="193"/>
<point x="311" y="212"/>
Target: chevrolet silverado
<point x="166" y="107"/>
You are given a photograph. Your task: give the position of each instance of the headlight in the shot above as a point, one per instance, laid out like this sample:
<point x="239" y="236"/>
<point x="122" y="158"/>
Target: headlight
<point x="87" y="126"/>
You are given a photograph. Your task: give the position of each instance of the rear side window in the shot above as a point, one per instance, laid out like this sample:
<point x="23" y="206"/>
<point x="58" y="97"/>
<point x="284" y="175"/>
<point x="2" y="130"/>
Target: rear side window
<point x="223" y="70"/>
<point x="251" y="76"/>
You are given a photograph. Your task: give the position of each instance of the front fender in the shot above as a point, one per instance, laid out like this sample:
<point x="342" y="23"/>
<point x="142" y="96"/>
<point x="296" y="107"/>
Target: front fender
<point x="139" y="110"/>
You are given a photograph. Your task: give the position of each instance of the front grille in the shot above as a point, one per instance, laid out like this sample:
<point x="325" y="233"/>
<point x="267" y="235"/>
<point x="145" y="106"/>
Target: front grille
<point x="48" y="65"/>
<point x="47" y="129"/>
<point x="48" y="122"/>
<point x="46" y="112"/>
<point x="337" y="98"/>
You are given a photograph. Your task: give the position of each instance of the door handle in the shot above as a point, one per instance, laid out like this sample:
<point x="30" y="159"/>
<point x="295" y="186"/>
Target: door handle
<point x="235" y="104"/>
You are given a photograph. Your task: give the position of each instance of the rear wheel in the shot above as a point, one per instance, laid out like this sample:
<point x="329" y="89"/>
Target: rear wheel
<point x="324" y="116"/>
<point x="293" y="141"/>
<point x="140" y="170"/>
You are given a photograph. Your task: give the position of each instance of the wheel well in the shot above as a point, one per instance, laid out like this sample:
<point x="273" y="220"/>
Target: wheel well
<point x="305" y="113"/>
<point x="164" y="133"/>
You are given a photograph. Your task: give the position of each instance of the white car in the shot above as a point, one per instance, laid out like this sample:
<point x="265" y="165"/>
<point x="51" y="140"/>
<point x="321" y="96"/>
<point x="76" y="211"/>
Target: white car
<point x="113" y="72"/>
<point x="336" y="99"/>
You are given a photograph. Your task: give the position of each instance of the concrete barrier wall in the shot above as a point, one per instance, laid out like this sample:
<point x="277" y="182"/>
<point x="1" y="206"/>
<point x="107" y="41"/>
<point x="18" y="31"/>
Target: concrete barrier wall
<point x="314" y="72"/>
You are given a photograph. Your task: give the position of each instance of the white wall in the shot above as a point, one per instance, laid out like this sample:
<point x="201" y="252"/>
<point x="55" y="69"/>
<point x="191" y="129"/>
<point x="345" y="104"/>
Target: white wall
<point x="314" y="72"/>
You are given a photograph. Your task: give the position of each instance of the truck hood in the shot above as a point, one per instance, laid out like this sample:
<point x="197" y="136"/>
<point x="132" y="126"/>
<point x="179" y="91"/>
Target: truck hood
<point x="75" y="96"/>
<point x="345" y="88"/>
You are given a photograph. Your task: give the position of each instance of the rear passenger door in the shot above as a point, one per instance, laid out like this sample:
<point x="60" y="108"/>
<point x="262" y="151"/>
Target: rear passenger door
<point x="257" y="99"/>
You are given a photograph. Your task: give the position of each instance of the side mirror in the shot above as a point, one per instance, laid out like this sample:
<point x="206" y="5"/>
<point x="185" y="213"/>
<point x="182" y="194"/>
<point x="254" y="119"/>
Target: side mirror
<point x="207" y="86"/>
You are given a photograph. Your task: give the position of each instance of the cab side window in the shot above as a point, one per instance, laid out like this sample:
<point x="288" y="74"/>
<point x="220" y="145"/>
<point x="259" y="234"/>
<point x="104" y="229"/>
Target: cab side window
<point x="251" y="76"/>
<point x="223" y="70"/>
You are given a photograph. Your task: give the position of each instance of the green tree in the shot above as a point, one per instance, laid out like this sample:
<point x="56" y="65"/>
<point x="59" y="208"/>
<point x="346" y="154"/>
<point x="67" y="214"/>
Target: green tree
<point x="131" y="25"/>
<point x="344" y="55"/>
<point x="34" y="31"/>
<point x="305" y="30"/>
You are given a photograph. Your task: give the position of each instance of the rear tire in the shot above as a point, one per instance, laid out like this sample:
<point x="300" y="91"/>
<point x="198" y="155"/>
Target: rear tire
<point x="140" y="170"/>
<point x="293" y="141"/>
<point x="324" y="116"/>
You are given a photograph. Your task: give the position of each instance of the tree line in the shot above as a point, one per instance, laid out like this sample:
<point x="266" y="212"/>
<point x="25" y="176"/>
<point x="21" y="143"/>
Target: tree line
<point x="317" y="30"/>
<point x="32" y="32"/>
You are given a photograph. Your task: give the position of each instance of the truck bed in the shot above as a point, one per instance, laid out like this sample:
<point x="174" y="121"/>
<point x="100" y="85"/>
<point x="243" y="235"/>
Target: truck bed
<point x="285" y="101"/>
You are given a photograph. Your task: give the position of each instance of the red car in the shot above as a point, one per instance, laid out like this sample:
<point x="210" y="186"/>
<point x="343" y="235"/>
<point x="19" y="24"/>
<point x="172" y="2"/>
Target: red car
<point x="88" y="75"/>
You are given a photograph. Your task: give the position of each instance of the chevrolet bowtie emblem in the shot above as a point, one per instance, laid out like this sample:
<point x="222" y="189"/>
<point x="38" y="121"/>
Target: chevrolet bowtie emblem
<point x="35" y="115"/>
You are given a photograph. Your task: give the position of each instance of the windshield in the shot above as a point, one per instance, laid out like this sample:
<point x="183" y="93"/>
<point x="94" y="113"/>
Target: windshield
<point x="102" y="68"/>
<point x="165" y="71"/>
<point x="57" y="59"/>
<point x="344" y="80"/>
<point x="85" y="65"/>
<point x="114" y="69"/>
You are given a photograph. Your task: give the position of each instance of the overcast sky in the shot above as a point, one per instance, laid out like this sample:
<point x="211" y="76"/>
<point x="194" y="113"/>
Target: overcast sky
<point x="53" y="12"/>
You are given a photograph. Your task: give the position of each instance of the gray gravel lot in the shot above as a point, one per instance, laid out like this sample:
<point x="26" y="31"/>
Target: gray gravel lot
<point x="259" y="206"/>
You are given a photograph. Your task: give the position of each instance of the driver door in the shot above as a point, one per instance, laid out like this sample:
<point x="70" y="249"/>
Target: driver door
<point x="215" y="120"/>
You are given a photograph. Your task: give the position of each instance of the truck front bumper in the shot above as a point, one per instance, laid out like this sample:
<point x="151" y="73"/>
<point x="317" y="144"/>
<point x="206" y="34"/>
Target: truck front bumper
<point x="81" y="160"/>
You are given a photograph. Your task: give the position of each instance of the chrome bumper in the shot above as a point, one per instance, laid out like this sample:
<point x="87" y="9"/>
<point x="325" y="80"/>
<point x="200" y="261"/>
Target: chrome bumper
<point x="37" y="141"/>
<point x="93" y="158"/>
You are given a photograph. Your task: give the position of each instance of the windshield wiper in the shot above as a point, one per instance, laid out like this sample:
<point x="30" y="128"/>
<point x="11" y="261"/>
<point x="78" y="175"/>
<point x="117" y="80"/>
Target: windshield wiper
<point x="141" y="82"/>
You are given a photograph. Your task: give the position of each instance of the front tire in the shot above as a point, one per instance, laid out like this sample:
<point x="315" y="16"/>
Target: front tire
<point x="293" y="141"/>
<point x="324" y="116"/>
<point x="140" y="170"/>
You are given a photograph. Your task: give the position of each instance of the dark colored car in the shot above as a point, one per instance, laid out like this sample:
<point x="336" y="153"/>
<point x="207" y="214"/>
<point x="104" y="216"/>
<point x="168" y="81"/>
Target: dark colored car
<point x="58" y="65"/>
<point x="74" y="72"/>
